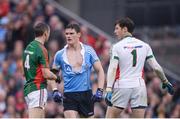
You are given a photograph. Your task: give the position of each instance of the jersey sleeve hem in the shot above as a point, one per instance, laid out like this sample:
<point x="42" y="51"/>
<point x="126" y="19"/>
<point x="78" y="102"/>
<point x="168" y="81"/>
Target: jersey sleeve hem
<point x="148" y="57"/>
<point x="95" y="61"/>
<point x="116" y="57"/>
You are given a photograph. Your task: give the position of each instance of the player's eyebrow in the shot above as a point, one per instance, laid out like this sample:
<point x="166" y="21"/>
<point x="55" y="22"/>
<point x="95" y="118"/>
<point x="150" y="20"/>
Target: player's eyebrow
<point x="69" y="33"/>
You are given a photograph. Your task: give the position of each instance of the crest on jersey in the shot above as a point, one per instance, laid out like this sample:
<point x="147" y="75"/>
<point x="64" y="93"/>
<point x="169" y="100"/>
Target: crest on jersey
<point x="67" y="68"/>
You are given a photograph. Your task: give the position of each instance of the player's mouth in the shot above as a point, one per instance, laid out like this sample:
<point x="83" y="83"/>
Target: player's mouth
<point x="69" y="39"/>
<point x="116" y="35"/>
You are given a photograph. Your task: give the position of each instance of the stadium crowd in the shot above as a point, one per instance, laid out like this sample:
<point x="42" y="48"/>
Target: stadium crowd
<point x="17" y="18"/>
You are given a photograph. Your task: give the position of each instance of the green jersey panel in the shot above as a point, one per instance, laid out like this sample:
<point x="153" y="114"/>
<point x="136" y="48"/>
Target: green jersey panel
<point x="35" y="57"/>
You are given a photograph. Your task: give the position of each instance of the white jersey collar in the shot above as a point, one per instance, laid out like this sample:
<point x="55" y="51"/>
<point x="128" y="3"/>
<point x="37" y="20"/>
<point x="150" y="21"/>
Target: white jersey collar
<point x="65" y="55"/>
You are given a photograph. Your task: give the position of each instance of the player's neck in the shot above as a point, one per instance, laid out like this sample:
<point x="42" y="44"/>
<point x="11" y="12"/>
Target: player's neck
<point x="126" y="35"/>
<point x="75" y="46"/>
<point x="39" y="39"/>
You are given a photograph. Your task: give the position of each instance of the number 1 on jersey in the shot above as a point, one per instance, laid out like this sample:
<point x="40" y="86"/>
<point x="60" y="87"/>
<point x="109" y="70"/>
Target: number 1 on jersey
<point x="26" y="63"/>
<point x="134" y="53"/>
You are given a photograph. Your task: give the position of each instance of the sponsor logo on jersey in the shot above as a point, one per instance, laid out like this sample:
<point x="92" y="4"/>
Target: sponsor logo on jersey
<point x="132" y="47"/>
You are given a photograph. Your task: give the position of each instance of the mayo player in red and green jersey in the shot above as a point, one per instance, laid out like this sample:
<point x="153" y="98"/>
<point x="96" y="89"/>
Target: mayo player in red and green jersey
<point x="36" y="70"/>
<point x="34" y="58"/>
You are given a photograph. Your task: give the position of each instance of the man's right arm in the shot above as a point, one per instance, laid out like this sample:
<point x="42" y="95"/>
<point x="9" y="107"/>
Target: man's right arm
<point x="113" y="65"/>
<point x="47" y="74"/>
<point x="111" y="74"/>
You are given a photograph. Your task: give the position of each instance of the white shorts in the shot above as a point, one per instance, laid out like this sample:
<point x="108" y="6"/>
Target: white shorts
<point x="37" y="98"/>
<point x="137" y="97"/>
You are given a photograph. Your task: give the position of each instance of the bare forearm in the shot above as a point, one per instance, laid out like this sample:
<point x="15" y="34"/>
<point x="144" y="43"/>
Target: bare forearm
<point x="111" y="77"/>
<point x="100" y="72"/>
<point x="160" y="74"/>
<point x="47" y="74"/>
<point x="111" y="74"/>
<point x="157" y="69"/>
<point x="101" y="79"/>
<point x="53" y="84"/>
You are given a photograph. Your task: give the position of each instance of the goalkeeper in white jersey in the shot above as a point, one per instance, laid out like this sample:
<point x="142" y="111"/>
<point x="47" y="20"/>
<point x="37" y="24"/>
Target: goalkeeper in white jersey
<point x="125" y="82"/>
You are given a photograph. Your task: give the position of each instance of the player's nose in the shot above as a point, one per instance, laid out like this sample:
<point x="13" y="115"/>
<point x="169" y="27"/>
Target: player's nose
<point x="115" y="30"/>
<point x="115" y="33"/>
<point x="68" y="35"/>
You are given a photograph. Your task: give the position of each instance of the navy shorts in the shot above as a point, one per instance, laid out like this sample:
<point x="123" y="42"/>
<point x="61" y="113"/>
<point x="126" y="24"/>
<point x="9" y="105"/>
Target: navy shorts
<point x="80" y="102"/>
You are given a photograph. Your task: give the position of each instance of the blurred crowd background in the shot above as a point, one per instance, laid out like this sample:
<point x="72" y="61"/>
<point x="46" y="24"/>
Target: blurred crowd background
<point x="17" y="18"/>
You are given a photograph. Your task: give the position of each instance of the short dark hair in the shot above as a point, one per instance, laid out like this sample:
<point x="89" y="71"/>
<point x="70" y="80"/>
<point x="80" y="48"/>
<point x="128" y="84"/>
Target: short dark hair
<point x="40" y="28"/>
<point x="126" y="22"/>
<point x="74" y="26"/>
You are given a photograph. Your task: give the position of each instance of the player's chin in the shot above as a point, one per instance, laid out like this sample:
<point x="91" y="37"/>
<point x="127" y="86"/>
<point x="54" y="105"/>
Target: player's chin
<point x="69" y="42"/>
<point x="117" y="36"/>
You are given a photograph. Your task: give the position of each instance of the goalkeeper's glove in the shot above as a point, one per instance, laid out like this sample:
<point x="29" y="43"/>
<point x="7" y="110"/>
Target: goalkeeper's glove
<point x="57" y="96"/>
<point x="168" y="86"/>
<point x="98" y="96"/>
<point x="108" y="96"/>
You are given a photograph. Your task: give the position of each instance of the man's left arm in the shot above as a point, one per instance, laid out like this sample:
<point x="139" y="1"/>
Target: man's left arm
<point x="100" y="72"/>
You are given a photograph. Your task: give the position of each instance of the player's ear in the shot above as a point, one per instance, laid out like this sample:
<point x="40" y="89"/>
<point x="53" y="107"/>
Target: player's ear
<point x="46" y="33"/>
<point x="79" y="34"/>
<point x="125" y="29"/>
